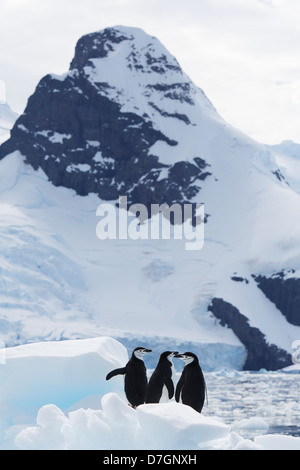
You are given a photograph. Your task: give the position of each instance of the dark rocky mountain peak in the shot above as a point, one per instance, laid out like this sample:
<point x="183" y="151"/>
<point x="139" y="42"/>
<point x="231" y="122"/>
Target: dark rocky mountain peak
<point x="97" y="128"/>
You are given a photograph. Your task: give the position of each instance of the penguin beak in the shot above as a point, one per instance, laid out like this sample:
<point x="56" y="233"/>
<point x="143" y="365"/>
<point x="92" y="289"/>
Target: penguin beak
<point x="147" y="350"/>
<point x="179" y="356"/>
<point x="183" y="357"/>
<point x="174" y="354"/>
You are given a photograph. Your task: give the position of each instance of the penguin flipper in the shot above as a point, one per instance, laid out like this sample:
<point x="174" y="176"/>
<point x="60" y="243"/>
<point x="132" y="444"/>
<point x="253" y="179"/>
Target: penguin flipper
<point x="115" y="372"/>
<point x="178" y="388"/>
<point x="170" y="387"/>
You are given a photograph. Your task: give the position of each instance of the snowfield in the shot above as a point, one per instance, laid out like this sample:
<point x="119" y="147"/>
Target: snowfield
<point x="54" y="396"/>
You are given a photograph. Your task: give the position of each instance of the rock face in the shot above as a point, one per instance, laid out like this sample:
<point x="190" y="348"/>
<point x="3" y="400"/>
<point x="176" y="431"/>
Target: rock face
<point x="284" y="293"/>
<point x="88" y="132"/>
<point x="260" y="354"/>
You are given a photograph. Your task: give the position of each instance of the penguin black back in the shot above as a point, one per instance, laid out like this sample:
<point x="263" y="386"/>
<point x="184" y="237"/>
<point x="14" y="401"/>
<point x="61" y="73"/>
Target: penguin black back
<point x="161" y="378"/>
<point x="191" y="386"/>
<point x="135" y="382"/>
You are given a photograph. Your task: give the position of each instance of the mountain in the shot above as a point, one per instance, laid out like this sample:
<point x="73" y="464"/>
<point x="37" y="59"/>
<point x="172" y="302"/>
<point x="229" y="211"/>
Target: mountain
<point x="287" y="155"/>
<point x="125" y="120"/>
<point x="287" y="147"/>
<point x="7" y="120"/>
<point x="111" y="124"/>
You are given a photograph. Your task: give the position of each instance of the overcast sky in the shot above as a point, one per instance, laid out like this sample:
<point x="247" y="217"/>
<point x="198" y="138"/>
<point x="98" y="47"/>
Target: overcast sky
<point x="244" y="54"/>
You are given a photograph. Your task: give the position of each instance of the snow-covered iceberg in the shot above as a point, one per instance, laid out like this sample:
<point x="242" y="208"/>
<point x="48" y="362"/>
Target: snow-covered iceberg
<point x="54" y="396"/>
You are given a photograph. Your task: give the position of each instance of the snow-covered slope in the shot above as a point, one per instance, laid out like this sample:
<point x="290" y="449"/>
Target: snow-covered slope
<point x="59" y="280"/>
<point x="7" y="120"/>
<point x="126" y="120"/>
<point x="287" y="156"/>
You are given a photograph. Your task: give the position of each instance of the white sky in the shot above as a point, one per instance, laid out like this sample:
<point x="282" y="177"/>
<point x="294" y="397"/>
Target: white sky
<point x="244" y="54"/>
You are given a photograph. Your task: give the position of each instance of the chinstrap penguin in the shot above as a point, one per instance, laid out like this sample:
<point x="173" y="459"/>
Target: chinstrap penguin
<point x="191" y="386"/>
<point x="161" y="385"/>
<point x="135" y="381"/>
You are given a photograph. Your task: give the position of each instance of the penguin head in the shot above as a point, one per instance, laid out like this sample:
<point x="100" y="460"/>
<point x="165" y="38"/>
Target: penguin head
<point x="140" y="352"/>
<point x="168" y="355"/>
<point x="187" y="357"/>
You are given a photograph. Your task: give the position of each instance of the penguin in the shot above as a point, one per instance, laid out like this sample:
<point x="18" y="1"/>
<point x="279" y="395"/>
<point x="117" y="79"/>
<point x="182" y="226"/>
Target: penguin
<point x="191" y="386"/>
<point x="161" y="385"/>
<point x="135" y="382"/>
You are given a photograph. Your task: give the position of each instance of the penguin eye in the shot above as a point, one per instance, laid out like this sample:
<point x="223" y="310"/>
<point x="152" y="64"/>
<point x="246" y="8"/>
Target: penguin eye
<point x="188" y="359"/>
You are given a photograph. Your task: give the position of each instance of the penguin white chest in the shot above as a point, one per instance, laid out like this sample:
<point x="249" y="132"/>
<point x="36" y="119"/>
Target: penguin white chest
<point x="164" y="395"/>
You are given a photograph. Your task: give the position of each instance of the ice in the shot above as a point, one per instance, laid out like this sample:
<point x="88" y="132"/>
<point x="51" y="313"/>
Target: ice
<point x="116" y="426"/>
<point x="254" y="423"/>
<point x="181" y="426"/>
<point x="47" y="434"/>
<point x="60" y="373"/>
<point x="54" y="396"/>
<point x="269" y="442"/>
<point x="168" y="426"/>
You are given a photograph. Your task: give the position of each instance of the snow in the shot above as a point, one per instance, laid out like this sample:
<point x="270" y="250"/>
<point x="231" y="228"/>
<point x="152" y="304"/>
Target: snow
<point x="143" y="91"/>
<point x="54" y="137"/>
<point x="278" y="442"/>
<point x="7" y="120"/>
<point x="78" y="167"/>
<point x="287" y="156"/>
<point x="54" y="396"/>
<point x="287" y="147"/>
